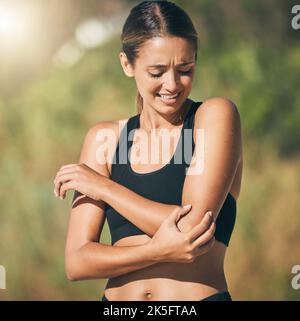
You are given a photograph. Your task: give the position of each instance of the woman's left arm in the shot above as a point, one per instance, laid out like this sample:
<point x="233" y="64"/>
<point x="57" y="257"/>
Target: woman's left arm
<point x="218" y="152"/>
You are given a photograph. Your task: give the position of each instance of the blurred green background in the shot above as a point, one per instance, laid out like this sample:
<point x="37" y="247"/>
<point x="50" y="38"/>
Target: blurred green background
<point x="60" y="74"/>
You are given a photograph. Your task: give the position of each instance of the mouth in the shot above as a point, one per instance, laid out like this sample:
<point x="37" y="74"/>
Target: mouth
<point x="169" y="99"/>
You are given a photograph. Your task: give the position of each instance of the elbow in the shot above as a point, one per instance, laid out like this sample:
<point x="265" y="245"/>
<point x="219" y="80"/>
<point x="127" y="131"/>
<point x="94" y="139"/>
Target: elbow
<point x="71" y="275"/>
<point x="77" y="268"/>
<point x="72" y="266"/>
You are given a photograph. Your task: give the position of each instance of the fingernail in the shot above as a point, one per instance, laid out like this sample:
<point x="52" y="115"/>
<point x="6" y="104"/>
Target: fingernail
<point x="209" y="213"/>
<point x="187" y="206"/>
<point x="61" y="197"/>
<point x="55" y="193"/>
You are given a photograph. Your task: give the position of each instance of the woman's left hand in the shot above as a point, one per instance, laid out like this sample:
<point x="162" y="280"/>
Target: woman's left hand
<point x="79" y="177"/>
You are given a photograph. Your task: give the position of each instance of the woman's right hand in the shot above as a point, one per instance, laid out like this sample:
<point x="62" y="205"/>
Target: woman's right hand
<point x="172" y="245"/>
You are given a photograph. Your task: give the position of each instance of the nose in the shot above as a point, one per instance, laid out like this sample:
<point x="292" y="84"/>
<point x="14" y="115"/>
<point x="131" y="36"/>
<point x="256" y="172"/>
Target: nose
<point x="171" y="83"/>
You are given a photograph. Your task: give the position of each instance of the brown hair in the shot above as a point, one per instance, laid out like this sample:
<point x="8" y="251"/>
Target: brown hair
<point x="155" y="19"/>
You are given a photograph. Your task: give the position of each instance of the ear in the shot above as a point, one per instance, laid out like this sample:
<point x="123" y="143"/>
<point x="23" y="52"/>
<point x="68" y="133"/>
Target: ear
<point x="127" y="68"/>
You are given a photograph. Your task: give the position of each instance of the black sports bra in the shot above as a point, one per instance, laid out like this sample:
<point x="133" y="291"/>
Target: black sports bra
<point x="163" y="185"/>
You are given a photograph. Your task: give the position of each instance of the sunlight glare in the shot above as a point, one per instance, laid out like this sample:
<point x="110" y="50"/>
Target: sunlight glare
<point x="7" y="20"/>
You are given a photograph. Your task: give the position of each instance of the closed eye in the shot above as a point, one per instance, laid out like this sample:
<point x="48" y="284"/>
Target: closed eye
<point x="187" y="72"/>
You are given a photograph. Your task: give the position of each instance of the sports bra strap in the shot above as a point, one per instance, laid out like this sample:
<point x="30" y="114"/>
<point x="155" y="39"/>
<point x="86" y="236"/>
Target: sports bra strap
<point x="126" y="138"/>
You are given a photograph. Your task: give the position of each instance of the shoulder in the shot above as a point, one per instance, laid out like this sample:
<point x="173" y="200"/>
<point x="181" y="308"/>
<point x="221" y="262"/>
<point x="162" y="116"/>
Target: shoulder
<point x="100" y="142"/>
<point x="221" y="106"/>
<point x="103" y="134"/>
<point x="103" y="128"/>
<point x="218" y="112"/>
<point x="220" y="119"/>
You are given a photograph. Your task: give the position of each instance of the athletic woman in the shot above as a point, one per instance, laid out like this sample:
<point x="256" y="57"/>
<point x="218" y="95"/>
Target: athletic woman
<point x="166" y="179"/>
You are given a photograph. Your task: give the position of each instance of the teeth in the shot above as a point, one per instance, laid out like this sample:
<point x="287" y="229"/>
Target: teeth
<point x="168" y="97"/>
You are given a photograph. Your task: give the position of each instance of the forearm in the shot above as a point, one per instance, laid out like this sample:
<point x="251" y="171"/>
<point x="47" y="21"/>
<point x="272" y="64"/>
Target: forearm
<point x="96" y="260"/>
<point x="144" y="213"/>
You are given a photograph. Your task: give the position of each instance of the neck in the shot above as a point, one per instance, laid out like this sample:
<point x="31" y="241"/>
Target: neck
<point x="150" y="119"/>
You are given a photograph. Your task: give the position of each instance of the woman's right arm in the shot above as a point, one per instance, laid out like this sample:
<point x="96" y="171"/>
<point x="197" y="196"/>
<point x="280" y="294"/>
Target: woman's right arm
<point x="95" y="260"/>
<point x="86" y="258"/>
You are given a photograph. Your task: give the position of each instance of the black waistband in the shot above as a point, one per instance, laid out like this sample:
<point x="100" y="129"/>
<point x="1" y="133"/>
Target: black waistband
<point x="221" y="296"/>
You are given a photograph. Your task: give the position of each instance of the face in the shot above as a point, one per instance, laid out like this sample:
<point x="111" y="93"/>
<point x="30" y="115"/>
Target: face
<point x="164" y="72"/>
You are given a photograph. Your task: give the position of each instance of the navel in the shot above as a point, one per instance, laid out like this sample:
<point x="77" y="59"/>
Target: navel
<point x="148" y="295"/>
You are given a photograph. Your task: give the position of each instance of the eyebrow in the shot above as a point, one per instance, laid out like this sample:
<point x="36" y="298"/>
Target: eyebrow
<point x="181" y="64"/>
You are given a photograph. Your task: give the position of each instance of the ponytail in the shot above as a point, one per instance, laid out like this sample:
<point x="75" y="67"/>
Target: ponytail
<point x="139" y="103"/>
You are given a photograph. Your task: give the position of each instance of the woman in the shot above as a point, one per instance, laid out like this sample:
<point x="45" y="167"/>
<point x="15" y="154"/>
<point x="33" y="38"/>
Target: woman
<point x="152" y="232"/>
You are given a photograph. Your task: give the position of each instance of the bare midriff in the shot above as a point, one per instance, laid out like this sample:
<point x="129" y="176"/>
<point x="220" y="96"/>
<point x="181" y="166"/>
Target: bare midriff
<point x="170" y="281"/>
